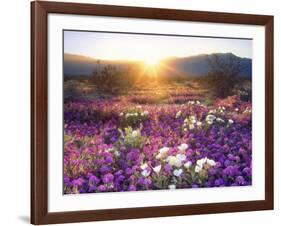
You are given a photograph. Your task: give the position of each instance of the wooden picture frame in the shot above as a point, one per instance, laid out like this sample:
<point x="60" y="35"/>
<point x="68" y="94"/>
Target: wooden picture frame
<point x="39" y="111"/>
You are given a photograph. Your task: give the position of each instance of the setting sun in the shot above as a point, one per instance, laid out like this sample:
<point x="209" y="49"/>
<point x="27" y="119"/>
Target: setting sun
<point x="151" y="66"/>
<point x="152" y="62"/>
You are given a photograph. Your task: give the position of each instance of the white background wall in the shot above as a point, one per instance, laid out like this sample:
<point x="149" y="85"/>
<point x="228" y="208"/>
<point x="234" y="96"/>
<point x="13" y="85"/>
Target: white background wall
<point x="15" y="114"/>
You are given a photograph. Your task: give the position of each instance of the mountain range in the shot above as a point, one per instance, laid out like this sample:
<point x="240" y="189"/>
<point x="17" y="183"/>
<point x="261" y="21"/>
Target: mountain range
<point x="196" y="66"/>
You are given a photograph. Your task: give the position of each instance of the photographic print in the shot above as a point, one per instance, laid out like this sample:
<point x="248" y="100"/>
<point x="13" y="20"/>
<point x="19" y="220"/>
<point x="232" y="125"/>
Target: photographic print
<point x="149" y="112"/>
<point x="153" y="112"/>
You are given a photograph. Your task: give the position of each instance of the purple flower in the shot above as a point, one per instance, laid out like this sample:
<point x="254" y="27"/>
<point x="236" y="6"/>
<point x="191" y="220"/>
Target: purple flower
<point x="219" y="182"/>
<point x="240" y="180"/>
<point x="120" y="178"/>
<point x="107" y="178"/>
<point x="168" y="168"/>
<point x="93" y="179"/>
<point x="213" y="171"/>
<point x="108" y="159"/>
<point x="105" y="169"/>
<point x="129" y="171"/>
<point x="247" y="171"/>
<point x="132" y="188"/>
<point x="229" y="171"/>
<point x="78" y="182"/>
<point x="101" y="188"/>
<point x="227" y="163"/>
<point x="96" y="158"/>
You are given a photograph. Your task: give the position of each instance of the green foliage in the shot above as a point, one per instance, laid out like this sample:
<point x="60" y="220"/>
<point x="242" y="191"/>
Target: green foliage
<point x="245" y="94"/>
<point x="111" y="79"/>
<point x="132" y="138"/>
<point x="223" y="76"/>
<point x="70" y="88"/>
<point x="207" y="102"/>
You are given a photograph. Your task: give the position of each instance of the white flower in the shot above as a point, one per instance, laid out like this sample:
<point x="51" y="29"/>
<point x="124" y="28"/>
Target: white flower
<point x="177" y="172"/>
<point x="219" y="120"/>
<point x="163" y="150"/>
<point x="199" y="123"/>
<point x="121" y="114"/>
<point x="174" y="161"/>
<point x="236" y="109"/>
<point x="157" y="169"/>
<point x="138" y="106"/>
<point x="198" y="168"/>
<point x="247" y="110"/>
<point x="117" y="153"/>
<point x="144" y="166"/>
<point x="210" y="122"/>
<point x="230" y="121"/>
<point x="145" y="173"/>
<point x="192" y="119"/>
<point x="187" y="164"/>
<point x="201" y="162"/>
<point x="210" y="117"/>
<point x="183" y="147"/>
<point x="172" y="186"/>
<point x="159" y="156"/>
<point x="146" y="113"/>
<point x="185" y="129"/>
<point x="211" y="162"/>
<point x="223" y="108"/>
<point x="197" y="102"/>
<point x="109" y="150"/>
<point x="191" y="126"/>
<point x="136" y="114"/>
<point x="181" y="157"/>
<point x="135" y="133"/>
<point x="178" y="114"/>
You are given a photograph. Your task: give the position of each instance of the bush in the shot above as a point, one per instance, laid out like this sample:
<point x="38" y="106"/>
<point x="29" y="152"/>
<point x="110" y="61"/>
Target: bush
<point x="223" y="75"/>
<point x="111" y="79"/>
<point x="245" y="94"/>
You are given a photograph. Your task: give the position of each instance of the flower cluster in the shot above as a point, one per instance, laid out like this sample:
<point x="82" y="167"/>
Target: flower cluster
<point x="134" y="116"/>
<point x="112" y="145"/>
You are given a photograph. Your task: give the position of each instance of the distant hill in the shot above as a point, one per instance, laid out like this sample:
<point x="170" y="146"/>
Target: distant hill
<point x="199" y="65"/>
<point x="83" y="65"/>
<point x="193" y="66"/>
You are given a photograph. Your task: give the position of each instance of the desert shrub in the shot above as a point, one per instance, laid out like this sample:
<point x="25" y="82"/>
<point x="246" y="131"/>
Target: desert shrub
<point x="71" y="89"/>
<point x="245" y="94"/>
<point x="111" y="79"/>
<point x="223" y="75"/>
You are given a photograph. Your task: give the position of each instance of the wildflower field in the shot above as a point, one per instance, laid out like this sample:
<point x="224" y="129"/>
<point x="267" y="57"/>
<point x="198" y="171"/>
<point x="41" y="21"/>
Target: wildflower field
<point x="154" y="136"/>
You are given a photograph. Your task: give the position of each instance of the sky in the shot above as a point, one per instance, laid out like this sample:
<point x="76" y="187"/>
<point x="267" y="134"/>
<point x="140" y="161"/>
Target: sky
<point x="123" y="46"/>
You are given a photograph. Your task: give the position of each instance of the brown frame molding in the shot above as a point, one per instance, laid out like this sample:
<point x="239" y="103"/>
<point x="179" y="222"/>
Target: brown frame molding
<point x="39" y="107"/>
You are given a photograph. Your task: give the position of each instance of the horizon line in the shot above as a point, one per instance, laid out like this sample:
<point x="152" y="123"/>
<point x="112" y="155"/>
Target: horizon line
<point x="140" y="60"/>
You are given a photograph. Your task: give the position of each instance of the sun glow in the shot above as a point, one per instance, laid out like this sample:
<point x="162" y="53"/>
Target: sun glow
<point x="152" y="66"/>
<point x="152" y="62"/>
